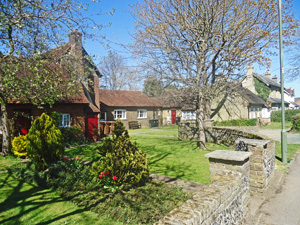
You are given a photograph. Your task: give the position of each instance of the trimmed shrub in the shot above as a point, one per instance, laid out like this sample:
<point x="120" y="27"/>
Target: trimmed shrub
<point x="240" y="122"/>
<point x="45" y="144"/>
<point x="122" y="164"/>
<point x="296" y="122"/>
<point x="19" y="145"/>
<point x="276" y="115"/>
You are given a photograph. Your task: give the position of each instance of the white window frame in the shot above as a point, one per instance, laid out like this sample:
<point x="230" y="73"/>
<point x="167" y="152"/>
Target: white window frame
<point x="64" y="120"/>
<point x="188" y="115"/>
<point x="120" y="113"/>
<point x="142" y="113"/>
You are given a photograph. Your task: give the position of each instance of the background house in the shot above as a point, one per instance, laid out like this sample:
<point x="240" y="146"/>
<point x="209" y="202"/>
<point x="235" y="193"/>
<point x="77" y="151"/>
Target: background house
<point x="289" y="96"/>
<point x="129" y="106"/>
<point x="241" y="103"/>
<point x="82" y="109"/>
<point x="265" y="87"/>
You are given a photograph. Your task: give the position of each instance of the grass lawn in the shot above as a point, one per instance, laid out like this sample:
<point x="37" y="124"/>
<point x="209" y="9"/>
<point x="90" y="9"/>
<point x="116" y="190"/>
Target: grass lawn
<point x="88" y="152"/>
<point x="277" y="125"/>
<point x="170" y="156"/>
<point x="23" y="203"/>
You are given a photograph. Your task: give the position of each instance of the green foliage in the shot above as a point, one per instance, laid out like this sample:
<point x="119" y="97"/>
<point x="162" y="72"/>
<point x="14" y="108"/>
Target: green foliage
<point x="71" y="135"/>
<point x="276" y="115"/>
<point x="19" y="145"/>
<point x="263" y="91"/>
<point x="296" y="122"/>
<point x="240" y="122"/>
<point x="122" y="159"/>
<point x="119" y="129"/>
<point x="153" y="87"/>
<point x="44" y="142"/>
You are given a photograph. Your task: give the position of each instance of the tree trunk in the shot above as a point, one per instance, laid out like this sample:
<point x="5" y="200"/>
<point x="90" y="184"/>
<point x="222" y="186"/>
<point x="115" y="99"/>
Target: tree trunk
<point x="200" y="113"/>
<point x="5" y="130"/>
<point x="203" y="114"/>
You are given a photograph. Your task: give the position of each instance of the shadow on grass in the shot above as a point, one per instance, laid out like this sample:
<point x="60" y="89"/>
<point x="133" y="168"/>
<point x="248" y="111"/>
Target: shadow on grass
<point x="21" y="202"/>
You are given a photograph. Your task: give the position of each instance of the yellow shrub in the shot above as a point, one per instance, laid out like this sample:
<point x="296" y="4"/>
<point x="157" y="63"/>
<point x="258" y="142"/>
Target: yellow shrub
<point x="19" y="145"/>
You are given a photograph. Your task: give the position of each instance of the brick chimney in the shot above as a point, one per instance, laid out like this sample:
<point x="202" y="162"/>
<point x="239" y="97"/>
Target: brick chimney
<point x="268" y="74"/>
<point x="274" y="78"/>
<point x="75" y="40"/>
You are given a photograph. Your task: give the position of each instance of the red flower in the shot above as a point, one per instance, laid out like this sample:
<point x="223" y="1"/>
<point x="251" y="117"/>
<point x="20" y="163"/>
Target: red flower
<point x="106" y="173"/>
<point x="58" y="161"/>
<point x="73" y="158"/>
<point x="100" y="175"/>
<point x="114" y="177"/>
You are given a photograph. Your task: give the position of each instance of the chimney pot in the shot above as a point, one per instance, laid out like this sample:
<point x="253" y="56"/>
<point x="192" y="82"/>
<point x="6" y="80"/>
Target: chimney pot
<point x="268" y="74"/>
<point x="274" y="78"/>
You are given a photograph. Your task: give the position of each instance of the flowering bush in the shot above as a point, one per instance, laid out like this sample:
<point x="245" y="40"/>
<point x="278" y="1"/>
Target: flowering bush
<point x="67" y="173"/>
<point x="108" y="181"/>
<point x="122" y="159"/>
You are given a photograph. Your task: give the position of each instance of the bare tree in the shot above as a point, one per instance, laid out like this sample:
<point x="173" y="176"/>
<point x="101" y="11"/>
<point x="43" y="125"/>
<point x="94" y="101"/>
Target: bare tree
<point x="28" y="29"/>
<point x="201" y="45"/>
<point x="117" y="74"/>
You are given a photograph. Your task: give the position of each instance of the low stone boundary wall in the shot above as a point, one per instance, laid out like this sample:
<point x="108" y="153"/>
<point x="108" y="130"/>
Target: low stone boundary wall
<point x="221" y="135"/>
<point x="225" y="200"/>
<point x="262" y="162"/>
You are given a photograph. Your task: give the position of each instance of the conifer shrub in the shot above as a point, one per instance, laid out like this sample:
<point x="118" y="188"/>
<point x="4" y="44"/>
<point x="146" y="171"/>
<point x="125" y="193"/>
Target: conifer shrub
<point x="122" y="164"/>
<point x="45" y="144"/>
<point x="296" y="122"/>
<point x="19" y="145"/>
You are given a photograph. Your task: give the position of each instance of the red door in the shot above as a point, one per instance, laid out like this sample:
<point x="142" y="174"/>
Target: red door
<point x="23" y="122"/>
<point x="92" y="127"/>
<point x="173" y="116"/>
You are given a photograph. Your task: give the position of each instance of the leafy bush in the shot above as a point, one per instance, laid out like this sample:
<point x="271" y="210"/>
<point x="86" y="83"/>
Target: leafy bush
<point x="19" y="145"/>
<point x="122" y="159"/>
<point x="240" y="122"/>
<point x="296" y="122"/>
<point x="276" y="115"/>
<point x="44" y="142"/>
<point x="71" y="134"/>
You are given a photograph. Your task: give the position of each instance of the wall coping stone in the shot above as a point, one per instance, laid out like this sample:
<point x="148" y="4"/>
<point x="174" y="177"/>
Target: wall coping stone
<point x="228" y="155"/>
<point x="253" y="142"/>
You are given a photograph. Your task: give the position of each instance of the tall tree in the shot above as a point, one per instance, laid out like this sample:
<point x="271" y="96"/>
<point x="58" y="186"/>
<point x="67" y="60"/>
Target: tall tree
<point x="29" y="28"/>
<point x="152" y="86"/>
<point x="201" y="45"/>
<point x="117" y="74"/>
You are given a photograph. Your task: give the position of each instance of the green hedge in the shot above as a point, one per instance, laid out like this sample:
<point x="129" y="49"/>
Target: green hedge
<point x="296" y="122"/>
<point x="276" y="115"/>
<point x="240" y="122"/>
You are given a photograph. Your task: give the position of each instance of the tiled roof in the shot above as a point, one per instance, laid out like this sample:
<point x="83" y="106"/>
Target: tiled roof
<point x="249" y="96"/>
<point x="290" y="91"/>
<point x="266" y="80"/>
<point x="277" y="100"/>
<point x="127" y="99"/>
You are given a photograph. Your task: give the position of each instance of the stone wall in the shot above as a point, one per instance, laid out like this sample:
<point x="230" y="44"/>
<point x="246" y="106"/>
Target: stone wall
<point x="262" y="162"/>
<point x="225" y="200"/>
<point x="221" y="135"/>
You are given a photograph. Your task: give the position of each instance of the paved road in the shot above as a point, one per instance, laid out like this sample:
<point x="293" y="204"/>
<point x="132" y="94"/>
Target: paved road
<point x="283" y="206"/>
<point x="275" y="134"/>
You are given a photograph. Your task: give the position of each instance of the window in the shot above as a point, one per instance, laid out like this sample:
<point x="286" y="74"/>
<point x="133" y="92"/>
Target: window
<point x="64" y="120"/>
<point x="188" y="115"/>
<point x="103" y="116"/>
<point x="142" y="113"/>
<point x="120" y="113"/>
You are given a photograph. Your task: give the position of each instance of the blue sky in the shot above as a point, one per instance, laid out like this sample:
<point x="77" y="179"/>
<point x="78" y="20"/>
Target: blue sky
<point x="122" y="25"/>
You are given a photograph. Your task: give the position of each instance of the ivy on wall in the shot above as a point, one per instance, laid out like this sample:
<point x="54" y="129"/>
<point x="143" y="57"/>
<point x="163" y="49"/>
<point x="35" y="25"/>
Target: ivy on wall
<point x="263" y="91"/>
